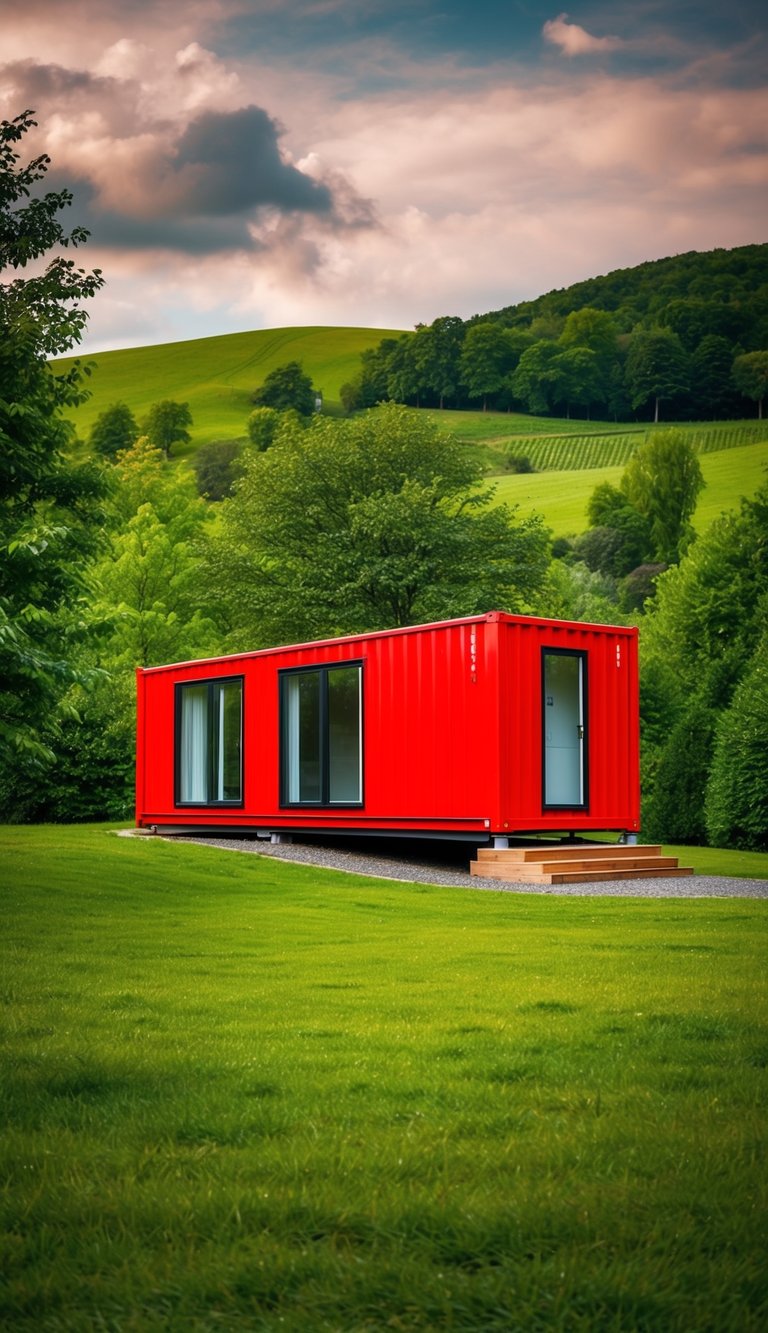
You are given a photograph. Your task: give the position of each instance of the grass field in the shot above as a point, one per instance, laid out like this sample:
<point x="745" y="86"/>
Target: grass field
<point x="217" y="376"/>
<point x="562" y="497"/>
<point x="244" y="1095"/>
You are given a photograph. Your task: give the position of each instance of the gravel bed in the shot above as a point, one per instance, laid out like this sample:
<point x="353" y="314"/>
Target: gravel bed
<point x="430" y="866"/>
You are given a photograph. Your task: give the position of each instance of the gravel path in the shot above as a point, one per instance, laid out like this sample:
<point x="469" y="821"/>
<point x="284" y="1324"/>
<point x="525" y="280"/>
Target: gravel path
<point x="444" y="866"/>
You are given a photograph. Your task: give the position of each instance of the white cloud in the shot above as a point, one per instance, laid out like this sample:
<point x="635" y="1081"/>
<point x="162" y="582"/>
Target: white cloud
<point x="574" y="40"/>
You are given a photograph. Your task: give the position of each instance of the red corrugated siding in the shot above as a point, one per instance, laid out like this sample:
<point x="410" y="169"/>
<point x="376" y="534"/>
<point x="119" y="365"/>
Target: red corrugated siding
<point x="452" y="729"/>
<point x="612" y="709"/>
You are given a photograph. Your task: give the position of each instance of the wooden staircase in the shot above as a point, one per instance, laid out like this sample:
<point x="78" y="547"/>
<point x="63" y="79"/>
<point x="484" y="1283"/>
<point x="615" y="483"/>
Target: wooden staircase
<point x="575" y="863"/>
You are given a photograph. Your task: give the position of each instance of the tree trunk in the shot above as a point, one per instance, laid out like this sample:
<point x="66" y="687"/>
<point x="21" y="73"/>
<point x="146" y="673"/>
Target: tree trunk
<point x="656" y="413"/>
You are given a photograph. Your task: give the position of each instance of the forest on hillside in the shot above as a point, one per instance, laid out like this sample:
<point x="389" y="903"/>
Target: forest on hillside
<point x="684" y="338"/>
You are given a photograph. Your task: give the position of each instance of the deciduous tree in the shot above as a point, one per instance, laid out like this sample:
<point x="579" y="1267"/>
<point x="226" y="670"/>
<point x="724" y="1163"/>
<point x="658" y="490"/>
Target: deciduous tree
<point x="487" y="356"/>
<point x="662" y="481"/>
<point x="262" y="427"/>
<point x="437" y="348"/>
<point x="750" y="375"/>
<point x="363" y="524"/>
<point x="50" y="507"/>
<point x="287" y="386"/>
<point x="114" y="430"/>
<point x="537" y="380"/>
<point x="712" y="390"/>
<point x="166" y="424"/>
<point x="657" y="369"/>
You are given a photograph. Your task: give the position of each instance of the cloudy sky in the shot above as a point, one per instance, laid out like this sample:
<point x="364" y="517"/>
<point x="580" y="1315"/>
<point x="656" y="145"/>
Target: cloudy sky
<point x="251" y="164"/>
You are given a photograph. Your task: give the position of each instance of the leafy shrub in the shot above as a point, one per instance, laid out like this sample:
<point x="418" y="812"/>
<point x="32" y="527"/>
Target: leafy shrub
<point x="737" y="795"/>
<point x="674" y="810"/>
<point x="519" y="463"/>
<point x="562" y="548"/>
<point x="217" y="467"/>
<point x="639" y="586"/>
<point x="92" y="776"/>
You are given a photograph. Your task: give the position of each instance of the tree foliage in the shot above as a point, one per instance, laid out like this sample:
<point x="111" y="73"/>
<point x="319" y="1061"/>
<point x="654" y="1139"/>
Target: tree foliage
<point x="750" y="376"/>
<point x="262" y="426"/>
<point x="50" y="508"/>
<point x="287" y="387"/>
<point x="166" y="424"/>
<point x="656" y="340"/>
<point x="701" y="637"/>
<point x="737" y="796"/>
<point x="486" y="359"/>
<point x="217" y="467"/>
<point x="674" y="811"/>
<point x="709" y="609"/>
<point x="437" y="350"/>
<point x="114" y="430"/>
<point x="662" y="481"/>
<point x="657" y="369"/>
<point x="363" y="524"/>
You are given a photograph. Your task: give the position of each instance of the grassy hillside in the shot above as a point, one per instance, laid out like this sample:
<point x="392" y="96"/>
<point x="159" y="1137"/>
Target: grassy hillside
<point x="562" y="497"/>
<point x="244" y="1095"/>
<point x="217" y="376"/>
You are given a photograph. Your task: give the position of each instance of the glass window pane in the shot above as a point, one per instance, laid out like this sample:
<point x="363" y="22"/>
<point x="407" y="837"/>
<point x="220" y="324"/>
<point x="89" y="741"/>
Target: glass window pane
<point x="303" y="736"/>
<point x="228" y="716"/>
<point x="344" y="774"/>
<point x="194" y="746"/>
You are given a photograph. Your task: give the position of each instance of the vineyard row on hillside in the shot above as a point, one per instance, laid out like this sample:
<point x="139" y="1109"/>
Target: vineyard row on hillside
<point x="560" y="453"/>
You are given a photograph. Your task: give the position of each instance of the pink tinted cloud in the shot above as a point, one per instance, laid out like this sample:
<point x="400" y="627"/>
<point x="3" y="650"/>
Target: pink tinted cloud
<point x="574" y="40"/>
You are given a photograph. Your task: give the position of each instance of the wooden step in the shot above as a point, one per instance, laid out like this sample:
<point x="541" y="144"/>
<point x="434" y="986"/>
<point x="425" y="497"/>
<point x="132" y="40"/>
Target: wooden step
<point x="580" y="863"/>
<point x="575" y="863"/>
<point x="562" y="851"/>
<point x="537" y="874"/>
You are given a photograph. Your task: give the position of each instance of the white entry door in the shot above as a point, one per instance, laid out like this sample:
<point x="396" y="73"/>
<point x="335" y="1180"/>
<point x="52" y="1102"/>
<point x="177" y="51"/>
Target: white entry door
<point x="564" y="726"/>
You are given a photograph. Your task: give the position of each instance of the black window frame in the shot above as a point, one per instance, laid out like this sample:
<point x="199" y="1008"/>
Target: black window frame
<point x="583" y="806"/>
<point x="323" y="669"/>
<point x="210" y="682"/>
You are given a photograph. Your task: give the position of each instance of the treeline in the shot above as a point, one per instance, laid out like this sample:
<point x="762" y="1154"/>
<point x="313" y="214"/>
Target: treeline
<point x="679" y="339"/>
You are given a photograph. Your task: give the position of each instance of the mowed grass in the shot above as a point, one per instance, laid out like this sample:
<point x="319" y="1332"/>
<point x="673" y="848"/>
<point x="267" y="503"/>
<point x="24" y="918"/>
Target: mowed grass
<point x="217" y="376"/>
<point x="562" y="497"/>
<point x="239" y="1094"/>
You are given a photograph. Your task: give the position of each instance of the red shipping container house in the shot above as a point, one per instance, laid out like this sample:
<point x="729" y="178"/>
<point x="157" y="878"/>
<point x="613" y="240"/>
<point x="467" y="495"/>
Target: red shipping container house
<point x="482" y="727"/>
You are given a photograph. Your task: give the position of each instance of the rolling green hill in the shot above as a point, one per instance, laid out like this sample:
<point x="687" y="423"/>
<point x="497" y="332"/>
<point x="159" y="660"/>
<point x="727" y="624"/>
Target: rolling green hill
<point x="217" y="376"/>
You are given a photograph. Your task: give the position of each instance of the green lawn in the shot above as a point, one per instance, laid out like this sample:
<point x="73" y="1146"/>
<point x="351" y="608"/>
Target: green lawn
<point x="244" y="1095"/>
<point x="562" y="497"/>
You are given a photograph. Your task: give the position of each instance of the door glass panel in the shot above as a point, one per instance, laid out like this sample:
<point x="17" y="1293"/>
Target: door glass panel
<point x="563" y="730"/>
<point x="344" y="734"/>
